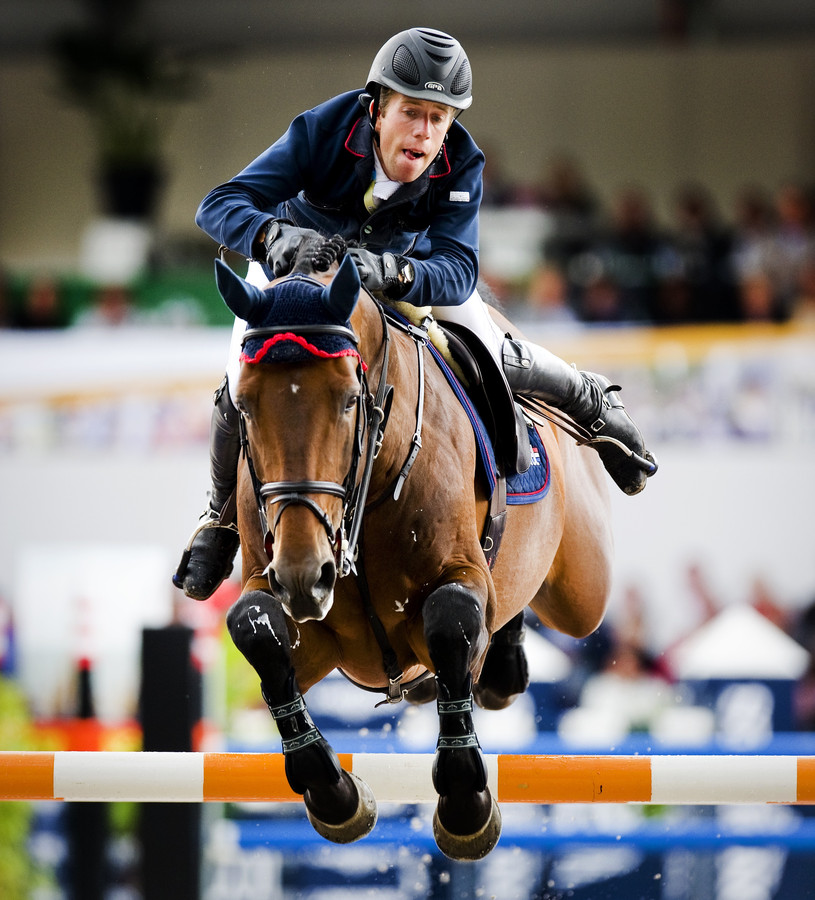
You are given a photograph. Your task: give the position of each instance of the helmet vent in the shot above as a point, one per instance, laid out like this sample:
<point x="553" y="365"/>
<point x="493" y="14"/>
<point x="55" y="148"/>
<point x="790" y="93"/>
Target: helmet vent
<point x="463" y="80"/>
<point x="441" y="60"/>
<point x="435" y="38"/>
<point x="404" y="65"/>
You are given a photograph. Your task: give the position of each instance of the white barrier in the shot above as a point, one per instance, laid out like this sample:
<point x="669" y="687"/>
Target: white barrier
<point x="406" y="778"/>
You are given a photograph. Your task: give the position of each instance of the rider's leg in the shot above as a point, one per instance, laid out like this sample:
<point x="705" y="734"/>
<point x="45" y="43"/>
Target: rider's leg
<point x="210" y="553"/>
<point x="207" y="559"/>
<point x="587" y="398"/>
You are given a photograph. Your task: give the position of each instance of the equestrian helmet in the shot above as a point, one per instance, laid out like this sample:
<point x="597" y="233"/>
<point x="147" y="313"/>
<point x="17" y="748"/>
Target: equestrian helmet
<point x="424" y="64"/>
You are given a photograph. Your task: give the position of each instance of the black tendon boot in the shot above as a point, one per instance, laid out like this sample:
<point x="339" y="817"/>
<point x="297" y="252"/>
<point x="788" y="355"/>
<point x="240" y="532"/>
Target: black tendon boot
<point x="591" y="401"/>
<point x="208" y="557"/>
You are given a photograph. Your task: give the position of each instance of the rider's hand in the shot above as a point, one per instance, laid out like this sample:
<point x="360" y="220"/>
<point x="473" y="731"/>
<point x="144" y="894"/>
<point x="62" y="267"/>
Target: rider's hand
<point x="379" y="274"/>
<point x="281" y="242"/>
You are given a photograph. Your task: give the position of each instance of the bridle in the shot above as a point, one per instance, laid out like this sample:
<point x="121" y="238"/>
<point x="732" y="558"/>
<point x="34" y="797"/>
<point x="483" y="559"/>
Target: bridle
<point x="371" y="418"/>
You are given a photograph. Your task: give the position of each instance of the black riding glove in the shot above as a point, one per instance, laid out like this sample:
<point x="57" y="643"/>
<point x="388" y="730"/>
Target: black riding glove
<point x="281" y="242"/>
<point x="381" y="274"/>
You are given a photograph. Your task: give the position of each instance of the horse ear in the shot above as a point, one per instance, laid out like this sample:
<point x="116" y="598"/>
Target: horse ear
<point x="241" y="297"/>
<point x="340" y="297"/>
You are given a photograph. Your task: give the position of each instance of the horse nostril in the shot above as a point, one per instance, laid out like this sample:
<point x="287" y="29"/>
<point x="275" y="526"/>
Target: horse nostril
<point x="328" y="575"/>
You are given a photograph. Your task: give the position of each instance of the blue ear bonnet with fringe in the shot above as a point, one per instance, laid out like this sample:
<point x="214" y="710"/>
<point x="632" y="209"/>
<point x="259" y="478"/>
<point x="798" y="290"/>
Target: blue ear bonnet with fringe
<point x="295" y="301"/>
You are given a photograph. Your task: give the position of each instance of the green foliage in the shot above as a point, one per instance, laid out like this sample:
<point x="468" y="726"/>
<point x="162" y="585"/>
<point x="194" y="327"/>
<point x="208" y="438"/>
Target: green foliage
<point x="242" y="684"/>
<point x="16" y="733"/>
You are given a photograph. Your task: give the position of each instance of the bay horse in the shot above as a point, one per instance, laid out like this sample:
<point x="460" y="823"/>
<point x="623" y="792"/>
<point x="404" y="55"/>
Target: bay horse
<point x="349" y="563"/>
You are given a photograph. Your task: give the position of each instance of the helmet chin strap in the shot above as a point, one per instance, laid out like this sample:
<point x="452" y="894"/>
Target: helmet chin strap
<point x="373" y="115"/>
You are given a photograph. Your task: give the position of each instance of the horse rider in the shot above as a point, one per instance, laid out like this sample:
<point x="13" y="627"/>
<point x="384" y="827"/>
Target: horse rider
<point x="393" y="171"/>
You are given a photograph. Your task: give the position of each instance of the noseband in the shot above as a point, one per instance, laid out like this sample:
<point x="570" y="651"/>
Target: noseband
<point x="371" y="418"/>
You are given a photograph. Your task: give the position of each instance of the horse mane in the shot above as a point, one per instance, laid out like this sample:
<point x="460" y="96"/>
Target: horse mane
<point x="318" y="254"/>
<point x="488" y="295"/>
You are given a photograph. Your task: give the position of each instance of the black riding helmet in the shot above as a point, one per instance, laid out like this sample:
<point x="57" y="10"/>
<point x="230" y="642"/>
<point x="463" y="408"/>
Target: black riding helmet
<point x="424" y="64"/>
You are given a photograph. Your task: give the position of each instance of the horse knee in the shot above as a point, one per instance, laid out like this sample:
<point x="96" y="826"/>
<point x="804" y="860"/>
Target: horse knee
<point x="257" y="626"/>
<point x="454" y="630"/>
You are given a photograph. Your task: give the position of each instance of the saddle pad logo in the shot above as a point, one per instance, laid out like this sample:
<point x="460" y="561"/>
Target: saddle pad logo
<point x="532" y="485"/>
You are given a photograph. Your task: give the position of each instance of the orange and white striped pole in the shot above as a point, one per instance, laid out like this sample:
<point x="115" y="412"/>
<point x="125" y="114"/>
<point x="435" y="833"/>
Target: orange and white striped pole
<point x="406" y="778"/>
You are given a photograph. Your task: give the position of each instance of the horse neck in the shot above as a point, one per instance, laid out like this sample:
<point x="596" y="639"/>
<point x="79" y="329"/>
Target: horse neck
<point x="402" y="374"/>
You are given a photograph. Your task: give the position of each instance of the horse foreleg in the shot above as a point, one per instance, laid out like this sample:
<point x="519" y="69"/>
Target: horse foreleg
<point x="467" y="822"/>
<point x="339" y="805"/>
<point x="505" y="674"/>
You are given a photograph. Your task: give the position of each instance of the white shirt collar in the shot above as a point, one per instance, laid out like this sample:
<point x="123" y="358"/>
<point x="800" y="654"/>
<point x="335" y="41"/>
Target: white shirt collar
<point x="384" y="188"/>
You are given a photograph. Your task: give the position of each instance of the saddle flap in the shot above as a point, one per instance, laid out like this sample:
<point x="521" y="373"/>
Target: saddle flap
<point x="489" y="392"/>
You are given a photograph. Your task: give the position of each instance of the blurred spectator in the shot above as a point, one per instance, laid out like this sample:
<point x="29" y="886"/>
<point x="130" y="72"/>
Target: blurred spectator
<point x="804" y="306"/>
<point x="546" y="300"/>
<point x="757" y="298"/>
<point x="618" y="275"/>
<point x="696" y="266"/>
<point x="42" y="307"/>
<point x="804" y="696"/>
<point x="631" y="684"/>
<point x="566" y="196"/>
<point x="601" y="299"/>
<point x="763" y="599"/>
<point x="629" y="688"/>
<point x="112" y="308"/>
<point x="752" y="230"/>
<point x="497" y="189"/>
<point x="791" y="245"/>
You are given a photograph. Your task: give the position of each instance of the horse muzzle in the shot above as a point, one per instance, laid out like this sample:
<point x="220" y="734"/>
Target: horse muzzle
<point x="305" y="593"/>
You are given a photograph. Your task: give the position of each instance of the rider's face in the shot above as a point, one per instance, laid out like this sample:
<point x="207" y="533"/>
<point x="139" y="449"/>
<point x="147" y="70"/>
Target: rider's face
<point x="411" y="133"/>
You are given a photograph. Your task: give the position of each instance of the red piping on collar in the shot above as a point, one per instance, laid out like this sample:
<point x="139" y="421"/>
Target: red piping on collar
<point x="348" y="140"/>
<point x="442" y="152"/>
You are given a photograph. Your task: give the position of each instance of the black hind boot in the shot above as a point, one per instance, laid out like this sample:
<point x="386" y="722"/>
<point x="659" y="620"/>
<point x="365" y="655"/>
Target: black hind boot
<point x="591" y="401"/>
<point x="208" y="557"/>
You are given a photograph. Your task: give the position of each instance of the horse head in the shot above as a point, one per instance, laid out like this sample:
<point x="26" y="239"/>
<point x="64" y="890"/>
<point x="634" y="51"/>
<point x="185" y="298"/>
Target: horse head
<point x="300" y="395"/>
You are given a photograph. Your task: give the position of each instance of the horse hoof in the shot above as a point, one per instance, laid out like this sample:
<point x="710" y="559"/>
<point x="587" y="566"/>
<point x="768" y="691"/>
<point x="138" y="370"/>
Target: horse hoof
<point x="360" y="823"/>
<point x="464" y="847"/>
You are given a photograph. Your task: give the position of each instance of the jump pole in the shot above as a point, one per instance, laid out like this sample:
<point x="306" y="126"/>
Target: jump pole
<point x="406" y="778"/>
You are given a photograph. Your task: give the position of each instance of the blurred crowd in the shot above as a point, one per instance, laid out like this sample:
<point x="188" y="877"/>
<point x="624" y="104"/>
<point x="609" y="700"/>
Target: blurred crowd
<point x="595" y="262"/>
<point x="616" y="673"/>
<point x="618" y="262"/>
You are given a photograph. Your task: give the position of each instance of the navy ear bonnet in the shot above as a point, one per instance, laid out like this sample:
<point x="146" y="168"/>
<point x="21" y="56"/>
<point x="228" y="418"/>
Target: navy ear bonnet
<point x="290" y="304"/>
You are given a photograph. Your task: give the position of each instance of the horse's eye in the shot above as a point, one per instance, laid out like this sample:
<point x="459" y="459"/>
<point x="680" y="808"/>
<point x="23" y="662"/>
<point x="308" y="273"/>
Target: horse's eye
<point x="351" y="405"/>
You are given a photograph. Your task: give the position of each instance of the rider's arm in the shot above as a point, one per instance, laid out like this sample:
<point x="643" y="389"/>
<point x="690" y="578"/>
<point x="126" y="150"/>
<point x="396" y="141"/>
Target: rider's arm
<point x="237" y="213"/>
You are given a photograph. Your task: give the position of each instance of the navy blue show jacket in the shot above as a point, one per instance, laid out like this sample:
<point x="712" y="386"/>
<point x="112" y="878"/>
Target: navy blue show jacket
<point x="316" y="176"/>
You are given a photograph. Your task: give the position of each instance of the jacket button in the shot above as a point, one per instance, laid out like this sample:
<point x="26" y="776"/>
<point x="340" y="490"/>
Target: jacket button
<point x="367" y="229"/>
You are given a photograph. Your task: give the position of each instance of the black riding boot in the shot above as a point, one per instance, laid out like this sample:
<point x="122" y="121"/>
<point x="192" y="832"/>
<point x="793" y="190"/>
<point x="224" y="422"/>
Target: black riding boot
<point x="207" y="559"/>
<point x="591" y="401"/>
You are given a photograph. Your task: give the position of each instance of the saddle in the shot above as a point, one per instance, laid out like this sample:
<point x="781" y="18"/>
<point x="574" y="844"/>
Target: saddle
<point x="489" y="392"/>
<point x="504" y="420"/>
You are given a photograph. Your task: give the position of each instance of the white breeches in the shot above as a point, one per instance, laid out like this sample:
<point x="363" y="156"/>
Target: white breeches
<point x="472" y="313"/>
